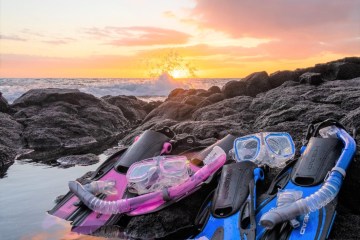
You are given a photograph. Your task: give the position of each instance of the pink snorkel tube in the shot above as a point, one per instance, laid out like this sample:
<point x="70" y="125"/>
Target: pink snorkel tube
<point x="148" y="202"/>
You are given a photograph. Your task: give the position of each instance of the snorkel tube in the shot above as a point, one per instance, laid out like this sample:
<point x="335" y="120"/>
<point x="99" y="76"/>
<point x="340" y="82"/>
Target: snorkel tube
<point x="215" y="160"/>
<point x="325" y="194"/>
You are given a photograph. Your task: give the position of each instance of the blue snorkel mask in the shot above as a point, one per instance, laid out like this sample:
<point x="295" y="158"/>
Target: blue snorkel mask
<point x="273" y="149"/>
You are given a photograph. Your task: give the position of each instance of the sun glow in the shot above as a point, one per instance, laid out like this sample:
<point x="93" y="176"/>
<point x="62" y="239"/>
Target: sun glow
<point x="177" y="73"/>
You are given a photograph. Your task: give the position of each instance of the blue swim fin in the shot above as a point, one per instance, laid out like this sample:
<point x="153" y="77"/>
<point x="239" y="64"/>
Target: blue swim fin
<point x="231" y="214"/>
<point x="308" y="186"/>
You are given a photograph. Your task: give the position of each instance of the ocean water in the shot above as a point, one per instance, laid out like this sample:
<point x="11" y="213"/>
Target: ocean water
<point x="145" y="89"/>
<point x="27" y="192"/>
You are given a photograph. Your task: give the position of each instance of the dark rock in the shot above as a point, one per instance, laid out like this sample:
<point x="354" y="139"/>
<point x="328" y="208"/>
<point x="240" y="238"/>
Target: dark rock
<point x="134" y="109"/>
<point x="81" y="160"/>
<point x="214" y="98"/>
<point x="7" y="157"/>
<point x="256" y="83"/>
<point x="345" y="71"/>
<point x="180" y="94"/>
<point x="172" y="110"/>
<point x="192" y="92"/>
<point x="204" y="94"/>
<point x="152" y="105"/>
<point x="193" y="100"/>
<point x="342" y="69"/>
<point x="222" y="109"/>
<point x="279" y="77"/>
<point x="214" y="89"/>
<point x="234" y="88"/>
<point x="59" y="122"/>
<point x="10" y="131"/>
<point x="311" y="78"/>
<point x="176" y="92"/>
<point x="4" y="105"/>
<point x="10" y="139"/>
<point x="351" y="60"/>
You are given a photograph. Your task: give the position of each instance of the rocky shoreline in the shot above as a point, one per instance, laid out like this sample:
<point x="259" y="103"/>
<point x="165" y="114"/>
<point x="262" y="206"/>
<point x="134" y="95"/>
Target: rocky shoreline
<point x="46" y="124"/>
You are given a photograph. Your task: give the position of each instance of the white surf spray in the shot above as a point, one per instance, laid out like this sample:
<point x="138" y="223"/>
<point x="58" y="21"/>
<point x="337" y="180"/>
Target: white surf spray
<point x="147" y="89"/>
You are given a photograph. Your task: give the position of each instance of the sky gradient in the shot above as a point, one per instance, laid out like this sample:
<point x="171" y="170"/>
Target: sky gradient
<point x="228" y="38"/>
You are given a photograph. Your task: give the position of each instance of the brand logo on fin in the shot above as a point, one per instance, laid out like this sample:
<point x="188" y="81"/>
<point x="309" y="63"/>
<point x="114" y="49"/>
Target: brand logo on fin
<point x="227" y="183"/>
<point x="313" y="158"/>
<point x="304" y="225"/>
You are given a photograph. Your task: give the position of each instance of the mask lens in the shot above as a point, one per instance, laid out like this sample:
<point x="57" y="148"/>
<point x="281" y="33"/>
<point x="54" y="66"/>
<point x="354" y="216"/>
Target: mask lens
<point x="140" y="171"/>
<point x="247" y="148"/>
<point x="174" y="166"/>
<point x="281" y="145"/>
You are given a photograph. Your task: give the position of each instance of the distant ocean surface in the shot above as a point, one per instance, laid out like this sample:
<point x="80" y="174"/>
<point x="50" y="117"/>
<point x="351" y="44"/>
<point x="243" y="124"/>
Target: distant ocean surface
<point x="145" y="89"/>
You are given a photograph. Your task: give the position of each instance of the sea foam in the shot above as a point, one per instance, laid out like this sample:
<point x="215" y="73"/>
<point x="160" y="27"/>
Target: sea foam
<point x="146" y="89"/>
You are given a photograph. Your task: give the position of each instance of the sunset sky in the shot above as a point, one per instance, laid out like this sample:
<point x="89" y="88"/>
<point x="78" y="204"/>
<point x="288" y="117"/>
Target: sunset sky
<point x="227" y="38"/>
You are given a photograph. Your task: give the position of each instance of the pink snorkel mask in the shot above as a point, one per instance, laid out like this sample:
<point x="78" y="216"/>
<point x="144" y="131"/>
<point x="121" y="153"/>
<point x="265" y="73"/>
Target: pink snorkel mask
<point x="156" y="173"/>
<point x="151" y="201"/>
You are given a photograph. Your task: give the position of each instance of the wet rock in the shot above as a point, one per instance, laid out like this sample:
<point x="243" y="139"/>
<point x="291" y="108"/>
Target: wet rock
<point x="311" y="78"/>
<point x="10" y="139"/>
<point x="256" y="83"/>
<point x="7" y="157"/>
<point x="234" y="88"/>
<point x="81" y="160"/>
<point x="58" y="122"/>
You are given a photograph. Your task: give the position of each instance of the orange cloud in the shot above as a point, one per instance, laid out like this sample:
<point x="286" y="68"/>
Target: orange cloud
<point x="201" y="50"/>
<point x="16" y="65"/>
<point x="138" y="36"/>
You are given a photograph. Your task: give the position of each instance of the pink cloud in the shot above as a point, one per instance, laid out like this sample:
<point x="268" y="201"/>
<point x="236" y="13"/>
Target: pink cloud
<point x="268" y="18"/>
<point x="138" y="36"/>
<point x="59" y="41"/>
<point x="305" y="27"/>
<point x="12" y="37"/>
